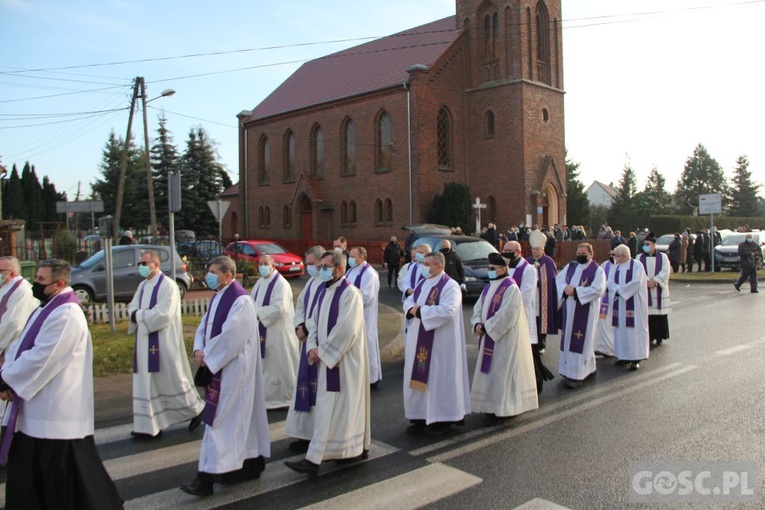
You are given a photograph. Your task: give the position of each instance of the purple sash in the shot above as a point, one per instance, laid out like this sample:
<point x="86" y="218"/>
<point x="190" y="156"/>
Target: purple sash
<point x="496" y="302"/>
<point x="581" y="312"/>
<point x="656" y="270"/>
<point x="630" y="304"/>
<point x="333" y="374"/>
<point x="262" y="329"/>
<point x="518" y="273"/>
<point x="212" y="395"/>
<point x="604" y="300"/>
<point x="421" y="365"/>
<point x="357" y="282"/>
<point x="27" y="342"/>
<point x="7" y="297"/>
<point x="547" y="296"/>
<point x="154" y="335"/>
<point x="412" y="278"/>
<point x="308" y="375"/>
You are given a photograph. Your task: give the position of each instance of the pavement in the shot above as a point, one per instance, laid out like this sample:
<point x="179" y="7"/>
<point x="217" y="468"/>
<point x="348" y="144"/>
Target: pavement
<point x="113" y="394"/>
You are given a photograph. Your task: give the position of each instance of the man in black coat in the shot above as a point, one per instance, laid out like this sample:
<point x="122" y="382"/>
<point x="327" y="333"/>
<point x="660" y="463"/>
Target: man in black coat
<point x="698" y="250"/>
<point x="453" y="265"/>
<point x="673" y="252"/>
<point x="392" y="259"/>
<point x="750" y="254"/>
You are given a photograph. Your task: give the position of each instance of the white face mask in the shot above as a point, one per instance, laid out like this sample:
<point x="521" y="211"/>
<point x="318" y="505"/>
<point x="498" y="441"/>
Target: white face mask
<point x="338" y="248"/>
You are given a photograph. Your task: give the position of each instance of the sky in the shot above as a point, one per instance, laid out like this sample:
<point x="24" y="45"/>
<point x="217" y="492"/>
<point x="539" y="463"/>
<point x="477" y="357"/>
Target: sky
<point x="646" y="81"/>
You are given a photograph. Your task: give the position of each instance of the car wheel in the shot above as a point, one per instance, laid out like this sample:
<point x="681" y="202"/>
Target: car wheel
<point x="84" y="294"/>
<point x="181" y="288"/>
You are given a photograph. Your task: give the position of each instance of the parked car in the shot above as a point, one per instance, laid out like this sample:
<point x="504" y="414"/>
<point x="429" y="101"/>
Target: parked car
<point x="662" y="243"/>
<point x="89" y="277"/>
<point x="726" y="254"/>
<point x="474" y="253"/>
<point x="205" y="250"/>
<point x="288" y="264"/>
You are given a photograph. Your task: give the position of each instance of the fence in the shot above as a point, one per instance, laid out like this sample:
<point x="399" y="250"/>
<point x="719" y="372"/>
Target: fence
<point x="99" y="314"/>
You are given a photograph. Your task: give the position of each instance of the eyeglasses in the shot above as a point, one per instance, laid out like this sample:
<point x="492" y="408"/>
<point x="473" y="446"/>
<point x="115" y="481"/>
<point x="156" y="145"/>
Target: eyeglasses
<point x="142" y="263"/>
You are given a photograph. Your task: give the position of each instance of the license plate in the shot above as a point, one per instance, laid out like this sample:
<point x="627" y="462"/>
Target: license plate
<point x="295" y="268"/>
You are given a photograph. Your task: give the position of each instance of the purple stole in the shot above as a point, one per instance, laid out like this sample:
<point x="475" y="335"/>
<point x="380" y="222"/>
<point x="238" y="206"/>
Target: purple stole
<point x="333" y="374"/>
<point x="212" y="395"/>
<point x="604" y="300"/>
<point x="630" y="305"/>
<point x="357" y="282"/>
<point x="7" y="297"/>
<point x="496" y="302"/>
<point x="154" y="335"/>
<point x="27" y="342"/>
<point x="581" y="312"/>
<point x="421" y="365"/>
<point x="308" y="375"/>
<point x="518" y="272"/>
<point x="262" y="330"/>
<point x="548" y="295"/>
<point x="656" y="270"/>
<point x="414" y="280"/>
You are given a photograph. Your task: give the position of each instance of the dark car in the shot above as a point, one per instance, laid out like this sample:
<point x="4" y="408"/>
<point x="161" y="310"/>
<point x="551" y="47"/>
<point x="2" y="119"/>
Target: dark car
<point x="726" y="254"/>
<point x="89" y="277"/>
<point x="288" y="264"/>
<point x="205" y="250"/>
<point x="474" y="253"/>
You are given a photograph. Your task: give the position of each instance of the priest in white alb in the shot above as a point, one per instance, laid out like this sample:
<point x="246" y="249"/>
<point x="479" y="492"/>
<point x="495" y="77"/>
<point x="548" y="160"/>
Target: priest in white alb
<point x="337" y="345"/>
<point x="436" y="386"/>
<point x="279" y="345"/>
<point x="236" y="436"/>
<point x="299" y="423"/>
<point x="580" y="287"/>
<point x="504" y="382"/>
<point x="163" y="387"/>
<point x="16" y="303"/>
<point x="657" y="270"/>
<point x="604" y="346"/>
<point x="628" y="295"/>
<point x="367" y="280"/>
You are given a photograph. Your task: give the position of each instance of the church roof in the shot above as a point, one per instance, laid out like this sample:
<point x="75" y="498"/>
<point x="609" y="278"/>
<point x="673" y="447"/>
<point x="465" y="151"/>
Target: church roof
<point x="371" y="66"/>
<point x="231" y="191"/>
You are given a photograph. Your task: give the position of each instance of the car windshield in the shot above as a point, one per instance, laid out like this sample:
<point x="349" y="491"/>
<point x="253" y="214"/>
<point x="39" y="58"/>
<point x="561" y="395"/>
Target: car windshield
<point x="270" y="249"/>
<point x="738" y="238"/>
<point x="478" y="250"/>
<point x="92" y="261"/>
<point x="665" y="239"/>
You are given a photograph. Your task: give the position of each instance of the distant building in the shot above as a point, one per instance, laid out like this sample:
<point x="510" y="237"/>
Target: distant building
<point x="601" y="194"/>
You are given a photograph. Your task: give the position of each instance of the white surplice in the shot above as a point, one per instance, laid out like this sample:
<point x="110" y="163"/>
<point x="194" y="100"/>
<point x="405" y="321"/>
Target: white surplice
<point x="605" y="336"/>
<point x="510" y="386"/>
<point x="282" y="346"/>
<point x="529" y="294"/>
<point x="299" y="424"/>
<point x="576" y="365"/>
<point x="169" y="396"/>
<point x="630" y="343"/>
<point x="447" y="398"/>
<point x="662" y="281"/>
<point x="240" y="429"/>
<point x="21" y="304"/>
<point x="370" y="292"/>
<point x="341" y="418"/>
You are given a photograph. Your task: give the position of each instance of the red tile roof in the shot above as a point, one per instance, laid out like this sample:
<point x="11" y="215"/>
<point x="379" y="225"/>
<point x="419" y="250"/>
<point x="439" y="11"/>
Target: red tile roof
<point x="231" y="191"/>
<point x="365" y="68"/>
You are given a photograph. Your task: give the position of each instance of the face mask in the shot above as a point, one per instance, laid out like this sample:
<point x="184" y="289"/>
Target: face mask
<point x="312" y="271"/>
<point x="582" y="259"/>
<point x="646" y="248"/>
<point x="611" y="259"/>
<point x="265" y="271"/>
<point x="492" y="274"/>
<point x="509" y="255"/>
<point x="444" y="250"/>
<point x="38" y="291"/>
<point x="748" y="239"/>
<point x="144" y="271"/>
<point x="420" y="257"/>
<point x="425" y="271"/>
<point x="352" y="262"/>
<point x="211" y="279"/>
<point x="338" y="248"/>
<point x="325" y="274"/>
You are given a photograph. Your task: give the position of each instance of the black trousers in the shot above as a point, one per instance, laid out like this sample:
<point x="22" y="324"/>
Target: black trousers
<point x="748" y="273"/>
<point x="392" y="274"/>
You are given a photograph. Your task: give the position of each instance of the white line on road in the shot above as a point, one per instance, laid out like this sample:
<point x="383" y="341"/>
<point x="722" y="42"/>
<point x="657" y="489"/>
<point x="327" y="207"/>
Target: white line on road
<point x="540" y="504"/>
<point x="734" y="349"/>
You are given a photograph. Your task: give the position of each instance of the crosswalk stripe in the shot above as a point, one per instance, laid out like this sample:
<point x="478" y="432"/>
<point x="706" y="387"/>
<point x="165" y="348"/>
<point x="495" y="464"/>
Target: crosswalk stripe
<point x="403" y="492"/>
<point x="120" y="432"/>
<point x="276" y="476"/>
<point x="540" y="504"/>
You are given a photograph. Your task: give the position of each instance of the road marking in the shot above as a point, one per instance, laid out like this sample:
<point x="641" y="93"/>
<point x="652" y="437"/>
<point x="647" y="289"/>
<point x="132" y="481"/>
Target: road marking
<point x="547" y="409"/>
<point x="276" y="476"/>
<point x="403" y="492"/>
<point x="555" y="418"/>
<point x="122" y="432"/>
<point x="540" y="504"/>
<point x="733" y="350"/>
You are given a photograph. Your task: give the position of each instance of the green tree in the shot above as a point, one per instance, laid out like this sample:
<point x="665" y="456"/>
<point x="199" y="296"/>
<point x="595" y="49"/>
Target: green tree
<point x="702" y="174"/>
<point x="624" y="213"/>
<point x="14" y="206"/>
<point x="452" y="207"/>
<point x="164" y="159"/>
<point x="105" y="188"/>
<point x="577" y="203"/>
<point x="32" y="196"/>
<point x="742" y="194"/>
<point x="658" y="199"/>
<point x="49" y="197"/>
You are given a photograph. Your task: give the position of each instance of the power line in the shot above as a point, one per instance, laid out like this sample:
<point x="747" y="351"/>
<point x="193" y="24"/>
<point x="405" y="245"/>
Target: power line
<point x="65" y="94"/>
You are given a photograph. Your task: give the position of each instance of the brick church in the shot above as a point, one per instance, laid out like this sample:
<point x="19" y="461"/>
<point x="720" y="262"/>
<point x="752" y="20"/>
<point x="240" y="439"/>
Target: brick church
<point x="359" y="142"/>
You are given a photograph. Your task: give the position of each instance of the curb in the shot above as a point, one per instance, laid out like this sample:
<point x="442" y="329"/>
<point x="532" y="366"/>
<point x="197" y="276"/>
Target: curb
<point x="393" y="348"/>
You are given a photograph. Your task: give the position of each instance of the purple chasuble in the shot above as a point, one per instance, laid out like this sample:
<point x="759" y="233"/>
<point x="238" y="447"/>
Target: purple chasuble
<point x="548" y="294"/>
<point x="7" y="297"/>
<point x="656" y="270"/>
<point x="604" y="300"/>
<point x="496" y="302"/>
<point x="308" y="374"/>
<point x="27" y="342"/>
<point x="333" y="374"/>
<point x="263" y="330"/>
<point x="581" y="312"/>
<point x="630" y="303"/>
<point x="233" y="292"/>
<point x="424" y="348"/>
<point x="154" y="335"/>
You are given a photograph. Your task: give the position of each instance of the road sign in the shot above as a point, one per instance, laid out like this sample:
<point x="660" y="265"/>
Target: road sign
<point x="82" y="206"/>
<point x="218" y="208"/>
<point x="710" y="203"/>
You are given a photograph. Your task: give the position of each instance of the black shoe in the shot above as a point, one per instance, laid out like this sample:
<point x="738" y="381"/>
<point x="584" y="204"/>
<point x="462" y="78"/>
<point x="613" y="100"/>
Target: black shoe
<point x="492" y="420"/>
<point x="196" y="421"/>
<point x="416" y="427"/>
<point x="198" y="487"/>
<point x="634" y="365"/>
<point x="755" y="291"/>
<point x="301" y="445"/>
<point x="659" y="342"/>
<point x="303" y="466"/>
<point x="141" y="435"/>
<point x="373" y="386"/>
<point x="358" y="458"/>
<point x="621" y="362"/>
<point x="438" y="428"/>
<point x="738" y="288"/>
<point x="572" y="383"/>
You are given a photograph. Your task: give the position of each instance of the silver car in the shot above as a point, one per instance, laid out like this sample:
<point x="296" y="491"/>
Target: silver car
<point x="89" y="278"/>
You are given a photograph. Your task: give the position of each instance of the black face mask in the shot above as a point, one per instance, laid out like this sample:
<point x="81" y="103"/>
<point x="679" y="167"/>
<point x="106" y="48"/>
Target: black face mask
<point x="509" y="255"/>
<point x="445" y="250"/>
<point x="38" y="291"/>
<point x="582" y="259"/>
<point x="611" y="259"/>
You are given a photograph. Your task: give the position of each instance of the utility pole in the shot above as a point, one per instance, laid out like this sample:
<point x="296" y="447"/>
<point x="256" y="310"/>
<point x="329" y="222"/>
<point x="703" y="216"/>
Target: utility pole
<point x="123" y="162"/>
